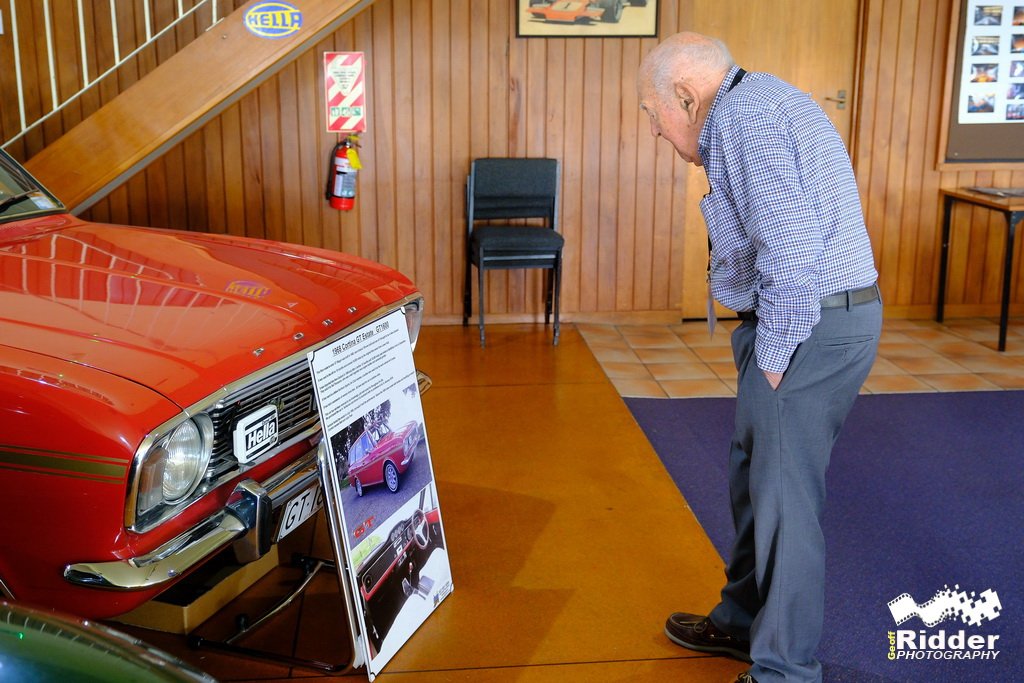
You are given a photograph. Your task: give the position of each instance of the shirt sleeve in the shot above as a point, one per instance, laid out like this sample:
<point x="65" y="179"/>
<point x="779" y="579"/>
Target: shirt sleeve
<point x="763" y="170"/>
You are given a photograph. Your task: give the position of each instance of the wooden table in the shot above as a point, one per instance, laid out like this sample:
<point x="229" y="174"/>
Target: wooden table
<point x="1013" y="209"/>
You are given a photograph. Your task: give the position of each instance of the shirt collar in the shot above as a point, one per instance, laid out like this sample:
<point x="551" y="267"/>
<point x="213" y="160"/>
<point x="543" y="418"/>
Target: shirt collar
<point x="704" y="141"/>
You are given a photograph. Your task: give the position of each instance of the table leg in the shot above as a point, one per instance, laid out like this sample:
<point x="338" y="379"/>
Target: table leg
<point x="947" y="214"/>
<point x="1012" y="218"/>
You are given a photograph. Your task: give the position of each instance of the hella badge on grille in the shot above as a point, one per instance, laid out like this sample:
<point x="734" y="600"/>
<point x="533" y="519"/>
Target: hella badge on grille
<point x="255" y="433"/>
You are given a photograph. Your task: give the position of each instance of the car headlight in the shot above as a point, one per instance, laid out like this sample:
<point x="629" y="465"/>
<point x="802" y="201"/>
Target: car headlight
<point x="174" y="466"/>
<point x="413" y="319"/>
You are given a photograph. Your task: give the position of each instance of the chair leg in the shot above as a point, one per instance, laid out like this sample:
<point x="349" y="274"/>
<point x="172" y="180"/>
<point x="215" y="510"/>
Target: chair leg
<point x="549" y="285"/>
<point x="556" y="275"/>
<point x="467" y="293"/>
<point x="480" y="297"/>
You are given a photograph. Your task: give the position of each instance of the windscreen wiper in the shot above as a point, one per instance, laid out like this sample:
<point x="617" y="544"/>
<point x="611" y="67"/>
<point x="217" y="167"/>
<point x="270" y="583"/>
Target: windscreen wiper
<point x="15" y="198"/>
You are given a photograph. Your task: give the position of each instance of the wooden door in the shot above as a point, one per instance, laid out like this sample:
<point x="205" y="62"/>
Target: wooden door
<point x="809" y="43"/>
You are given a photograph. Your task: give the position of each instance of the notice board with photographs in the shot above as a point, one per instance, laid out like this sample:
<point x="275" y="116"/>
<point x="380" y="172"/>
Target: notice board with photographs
<point x="985" y="84"/>
<point x="379" y="488"/>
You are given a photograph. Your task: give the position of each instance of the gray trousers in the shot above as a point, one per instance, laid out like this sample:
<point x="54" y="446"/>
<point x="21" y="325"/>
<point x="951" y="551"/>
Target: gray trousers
<point x="775" y="580"/>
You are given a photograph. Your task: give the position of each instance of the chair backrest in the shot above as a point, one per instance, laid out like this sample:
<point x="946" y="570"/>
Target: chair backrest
<point x="512" y="188"/>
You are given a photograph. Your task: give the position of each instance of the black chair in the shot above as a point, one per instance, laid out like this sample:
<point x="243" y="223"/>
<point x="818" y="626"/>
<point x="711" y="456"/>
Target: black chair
<point x="500" y="189"/>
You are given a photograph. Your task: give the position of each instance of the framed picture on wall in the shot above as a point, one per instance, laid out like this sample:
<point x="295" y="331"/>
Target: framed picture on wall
<point x="586" y="18"/>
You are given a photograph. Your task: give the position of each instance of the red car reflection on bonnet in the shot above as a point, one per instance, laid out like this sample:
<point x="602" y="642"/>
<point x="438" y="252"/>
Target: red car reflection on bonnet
<point x="381" y="456"/>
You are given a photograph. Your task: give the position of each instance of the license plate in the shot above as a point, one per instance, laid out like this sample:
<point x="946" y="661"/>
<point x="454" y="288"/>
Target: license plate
<point x="299" y="509"/>
<point x="255" y="433"/>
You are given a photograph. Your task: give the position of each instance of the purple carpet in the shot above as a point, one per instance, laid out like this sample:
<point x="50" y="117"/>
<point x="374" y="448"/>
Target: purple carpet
<point x="925" y="491"/>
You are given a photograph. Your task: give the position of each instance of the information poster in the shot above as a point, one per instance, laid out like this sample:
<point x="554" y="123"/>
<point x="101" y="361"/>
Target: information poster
<point x="379" y="487"/>
<point x="992" y="77"/>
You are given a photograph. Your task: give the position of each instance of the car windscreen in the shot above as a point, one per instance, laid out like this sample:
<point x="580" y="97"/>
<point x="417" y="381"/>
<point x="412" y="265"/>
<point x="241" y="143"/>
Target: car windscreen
<point x="20" y="195"/>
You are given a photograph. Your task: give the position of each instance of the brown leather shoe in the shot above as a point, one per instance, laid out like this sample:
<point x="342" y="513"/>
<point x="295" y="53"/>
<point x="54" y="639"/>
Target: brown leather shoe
<point x="696" y="632"/>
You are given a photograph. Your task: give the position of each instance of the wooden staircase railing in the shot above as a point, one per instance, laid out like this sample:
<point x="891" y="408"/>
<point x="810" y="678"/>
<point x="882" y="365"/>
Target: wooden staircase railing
<point x="175" y="99"/>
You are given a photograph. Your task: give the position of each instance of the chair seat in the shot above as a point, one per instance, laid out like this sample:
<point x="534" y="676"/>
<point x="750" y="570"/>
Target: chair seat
<point x="516" y="238"/>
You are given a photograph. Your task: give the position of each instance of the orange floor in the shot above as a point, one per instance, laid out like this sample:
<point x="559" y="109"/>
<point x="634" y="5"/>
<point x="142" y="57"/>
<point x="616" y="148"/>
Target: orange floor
<point x="568" y="541"/>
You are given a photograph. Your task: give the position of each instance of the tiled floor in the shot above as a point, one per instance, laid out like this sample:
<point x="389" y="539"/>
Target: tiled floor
<point x="682" y="361"/>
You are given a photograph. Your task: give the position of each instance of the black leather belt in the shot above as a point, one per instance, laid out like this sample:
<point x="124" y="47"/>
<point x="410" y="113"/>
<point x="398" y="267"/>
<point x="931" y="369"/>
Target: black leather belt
<point x="851" y="297"/>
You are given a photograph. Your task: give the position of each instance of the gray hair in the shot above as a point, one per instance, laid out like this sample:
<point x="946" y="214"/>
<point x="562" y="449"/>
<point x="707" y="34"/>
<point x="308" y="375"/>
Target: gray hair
<point x="689" y="51"/>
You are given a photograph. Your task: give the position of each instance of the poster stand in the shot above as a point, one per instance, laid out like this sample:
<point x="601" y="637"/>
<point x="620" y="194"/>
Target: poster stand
<point x="311" y="567"/>
<point x="378" y="484"/>
<point x="380" y="500"/>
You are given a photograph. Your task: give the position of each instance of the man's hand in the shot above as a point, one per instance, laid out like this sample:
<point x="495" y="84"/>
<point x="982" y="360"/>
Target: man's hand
<point x="774" y="378"/>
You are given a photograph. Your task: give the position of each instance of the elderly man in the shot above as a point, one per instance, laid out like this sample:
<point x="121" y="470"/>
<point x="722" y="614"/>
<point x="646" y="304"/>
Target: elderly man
<point x="790" y="254"/>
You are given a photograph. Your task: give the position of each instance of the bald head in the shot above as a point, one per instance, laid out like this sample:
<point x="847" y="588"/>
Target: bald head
<point x="676" y="83"/>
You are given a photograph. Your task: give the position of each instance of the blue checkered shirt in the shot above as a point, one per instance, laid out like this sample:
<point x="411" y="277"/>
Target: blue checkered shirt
<point x="783" y="214"/>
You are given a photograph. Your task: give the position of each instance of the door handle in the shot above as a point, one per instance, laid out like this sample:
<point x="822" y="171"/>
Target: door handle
<point x="839" y="99"/>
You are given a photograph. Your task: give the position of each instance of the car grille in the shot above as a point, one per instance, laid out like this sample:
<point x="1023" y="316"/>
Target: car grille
<point x="290" y="389"/>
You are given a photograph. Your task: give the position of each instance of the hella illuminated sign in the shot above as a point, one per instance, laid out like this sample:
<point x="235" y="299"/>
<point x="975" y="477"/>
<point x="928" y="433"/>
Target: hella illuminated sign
<point x="273" y="19"/>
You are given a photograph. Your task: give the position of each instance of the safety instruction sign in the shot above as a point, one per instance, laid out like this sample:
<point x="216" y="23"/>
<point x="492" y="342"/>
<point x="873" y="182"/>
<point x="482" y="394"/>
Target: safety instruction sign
<point x="345" y="91"/>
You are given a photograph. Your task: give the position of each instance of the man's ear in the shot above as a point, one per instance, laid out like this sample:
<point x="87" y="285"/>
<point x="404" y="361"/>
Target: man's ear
<point x="688" y="98"/>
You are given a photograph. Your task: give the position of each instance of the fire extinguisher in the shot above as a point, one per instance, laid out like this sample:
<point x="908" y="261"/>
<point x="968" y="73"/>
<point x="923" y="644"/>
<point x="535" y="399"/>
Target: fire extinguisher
<point x="341" y="178"/>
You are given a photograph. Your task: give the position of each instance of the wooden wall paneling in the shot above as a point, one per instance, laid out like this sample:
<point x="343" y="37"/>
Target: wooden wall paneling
<point x="214" y="189"/>
<point x="626" y="144"/>
<point x="312" y="151"/>
<point x="461" y="97"/>
<point x="252" y="166"/>
<point x="362" y="40"/>
<point x="499" y="85"/>
<point x="644" y="195"/>
<point x="894" y="233"/>
<point x="590" y="218"/>
<point x="553" y="143"/>
<point x="574" y="225"/>
<point x="382" y="139"/>
<point x="607" y="199"/>
<point x="925" y="222"/>
<point x="156" y="197"/>
<point x="69" y="75"/>
<point x="34" y="71"/>
<point x="10" y="119"/>
<point x="444" y="72"/>
<point x="421" y="181"/>
<point x="196" y="195"/>
<point x="272" y="134"/>
<point x="405" y="109"/>
<point x="90" y="99"/>
<point x="174" y="188"/>
<point x="234" y="175"/>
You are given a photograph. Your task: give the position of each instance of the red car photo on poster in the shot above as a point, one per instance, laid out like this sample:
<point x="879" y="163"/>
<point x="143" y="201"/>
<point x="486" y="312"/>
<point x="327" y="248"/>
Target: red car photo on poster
<point x="381" y="456"/>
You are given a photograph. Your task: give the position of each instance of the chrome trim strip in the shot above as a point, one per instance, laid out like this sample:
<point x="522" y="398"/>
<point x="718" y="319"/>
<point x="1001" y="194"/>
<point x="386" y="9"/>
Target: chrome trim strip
<point x="182" y="553"/>
<point x="5" y="591"/>
<point x="224" y="393"/>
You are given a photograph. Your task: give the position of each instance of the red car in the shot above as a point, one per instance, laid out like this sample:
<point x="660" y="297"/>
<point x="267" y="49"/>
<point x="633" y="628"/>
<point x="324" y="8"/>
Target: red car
<point x="156" y="403"/>
<point x="381" y="456"/>
<point x="571" y="11"/>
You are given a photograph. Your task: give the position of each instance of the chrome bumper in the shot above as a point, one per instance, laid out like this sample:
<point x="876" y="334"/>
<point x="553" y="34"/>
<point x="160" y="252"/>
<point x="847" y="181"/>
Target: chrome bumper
<point x="247" y="521"/>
